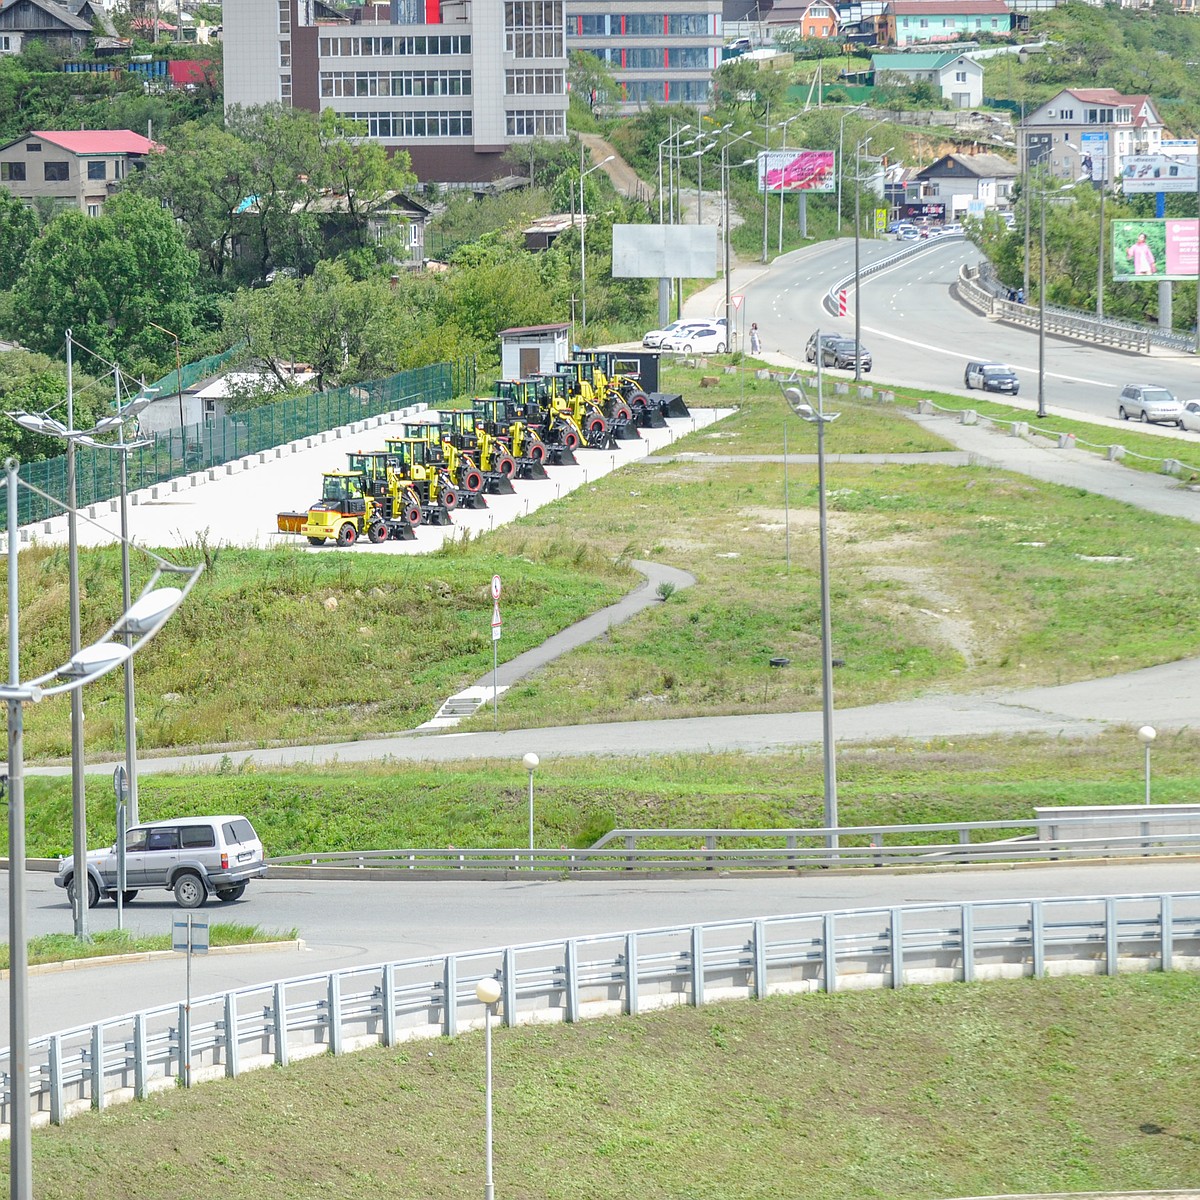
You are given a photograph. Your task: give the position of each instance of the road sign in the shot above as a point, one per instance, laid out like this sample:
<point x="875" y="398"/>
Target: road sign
<point x="737" y="301"/>
<point x="495" y="587"/>
<point x="189" y="934"/>
<point x="121" y="785"/>
<point x="496" y="621"/>
<point x="842" y="303"/>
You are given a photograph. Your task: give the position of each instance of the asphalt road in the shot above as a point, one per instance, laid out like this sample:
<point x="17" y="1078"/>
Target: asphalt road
<point x="347" y="924"/>
<point x="920" y="335"/>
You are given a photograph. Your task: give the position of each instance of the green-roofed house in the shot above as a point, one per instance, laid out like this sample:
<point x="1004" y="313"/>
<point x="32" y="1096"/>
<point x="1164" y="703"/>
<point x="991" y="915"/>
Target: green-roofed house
<point x="953" y="74"/>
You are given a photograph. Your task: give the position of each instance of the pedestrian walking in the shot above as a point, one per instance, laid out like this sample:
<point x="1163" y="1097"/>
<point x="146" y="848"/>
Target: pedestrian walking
<point x="1020" y="295"/>
<point x="755" y="340"/>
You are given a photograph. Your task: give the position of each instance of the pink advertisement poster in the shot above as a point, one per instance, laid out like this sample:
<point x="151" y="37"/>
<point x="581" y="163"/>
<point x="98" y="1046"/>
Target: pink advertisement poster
<point x="1182" y="248"/>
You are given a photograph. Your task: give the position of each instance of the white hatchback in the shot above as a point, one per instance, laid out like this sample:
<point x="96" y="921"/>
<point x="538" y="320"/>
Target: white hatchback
<point x="696" y="339"/>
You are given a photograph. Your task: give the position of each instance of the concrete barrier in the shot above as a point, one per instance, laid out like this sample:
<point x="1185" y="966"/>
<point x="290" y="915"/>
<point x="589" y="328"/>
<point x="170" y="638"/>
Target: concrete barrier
<point x="1066" y="441"/>
<point x="866" y="393"/>
<point x="1171" y="466"/>
<point x="1115" y="453"/>
<point x="968" y="416"/>
<point x="1020" y="429"/>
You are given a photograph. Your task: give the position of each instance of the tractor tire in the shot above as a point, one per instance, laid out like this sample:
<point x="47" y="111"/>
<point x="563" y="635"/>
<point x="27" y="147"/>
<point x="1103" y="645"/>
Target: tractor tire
<point x="448" y="496"/>
<point x="595" y="429"/>
<point x="472" y="481"/>
<point x="347" y="535"/>
<point x="622" y="412"/>
<point x="537" y="450"/>
<point x="312" y="541"/>
<point x="506" y="465"/>
<point x="571" y="440"/>
<point x="377" y="533"/>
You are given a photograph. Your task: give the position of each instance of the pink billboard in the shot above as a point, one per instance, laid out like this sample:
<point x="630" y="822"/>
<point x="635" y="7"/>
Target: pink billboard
<point x="796" y="171"/>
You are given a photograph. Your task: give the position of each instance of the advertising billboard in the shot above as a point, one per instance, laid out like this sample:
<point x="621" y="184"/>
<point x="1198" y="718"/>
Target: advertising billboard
<point x="1142" y="173"/>
<point x="1153" y="250"/>
<point x="1093" y="150"/>
<point x="797" y="171"/>
<point x="926" y="210"/>
<point x="664" y="252"/>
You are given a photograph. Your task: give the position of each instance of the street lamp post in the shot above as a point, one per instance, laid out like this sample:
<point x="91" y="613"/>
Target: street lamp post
<point x="141" y="621"/>
<point x="531" y="762"/>
<point x="487" y="992"/>
<point x="1146" y="736"/>
<point x="821" y="418"/>
<point x="583" y="238"/>
<point x="178" y="370"/>
<point x="666" y="141"/>
<point x="840" y="167"/>
<point x="1041" y="408"/>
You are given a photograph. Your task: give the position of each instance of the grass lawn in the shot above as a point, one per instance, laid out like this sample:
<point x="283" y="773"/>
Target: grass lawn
<point x="929" y="1092"/>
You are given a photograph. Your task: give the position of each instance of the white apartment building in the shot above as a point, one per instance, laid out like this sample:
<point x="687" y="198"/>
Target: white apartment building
<point x="453" y="82"/>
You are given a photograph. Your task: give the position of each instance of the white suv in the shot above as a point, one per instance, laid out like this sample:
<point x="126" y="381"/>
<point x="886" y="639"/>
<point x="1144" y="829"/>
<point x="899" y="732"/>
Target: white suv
<point x="190" y="856"/>
<point x="1146" y="402"/>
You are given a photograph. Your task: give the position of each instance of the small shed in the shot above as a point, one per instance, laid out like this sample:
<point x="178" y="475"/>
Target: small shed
<point x="528" y="349"/>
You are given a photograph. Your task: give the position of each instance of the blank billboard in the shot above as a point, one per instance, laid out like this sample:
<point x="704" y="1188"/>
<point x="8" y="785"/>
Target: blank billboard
<point x="664" y="252"/>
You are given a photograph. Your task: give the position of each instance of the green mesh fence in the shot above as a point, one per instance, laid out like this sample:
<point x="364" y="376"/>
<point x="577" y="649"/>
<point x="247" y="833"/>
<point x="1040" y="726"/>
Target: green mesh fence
<point x="191" y="373"/>
<point x="174" y="452"/>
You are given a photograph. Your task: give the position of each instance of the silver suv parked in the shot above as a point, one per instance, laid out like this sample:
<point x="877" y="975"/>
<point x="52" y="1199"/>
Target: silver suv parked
<point x="190" y="856"/>
<point x="1146" y="402"/>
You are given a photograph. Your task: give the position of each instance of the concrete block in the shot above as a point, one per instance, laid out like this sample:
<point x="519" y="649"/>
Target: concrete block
<point x="158" y="492"/>
<point x="91" y="511"/>
<point x="47" y="526"/>
<point x="1020" y="429"/>
<point x="1171" y="466"/>
<point x="114" y="506"/>
<point x="887" y="397"/>
<point x="214" y="472"/>
<point x="24" y="535"/>
<point x="262" y="458"/>
<point x="841" y="389"/>
<point x="968" y="417"/>
<point x="730" y="370"/>
<point x="232" y="468"/>
<point x="865" y="393"/>
<point x="339" y="432"/>
<point x="135" y="498"/>
<point x="1066" y="441"/>
<point x="925" y="408"/>
<point x="1115" y="453"/>
<point x="247" y="463"/>
<point x="197" y="478"/>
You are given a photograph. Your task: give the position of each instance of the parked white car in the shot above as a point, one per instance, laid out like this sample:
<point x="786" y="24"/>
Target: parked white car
<point x="654" y="338"/>
<point x="1191" y="415"/>
<point x="697" y="339"/>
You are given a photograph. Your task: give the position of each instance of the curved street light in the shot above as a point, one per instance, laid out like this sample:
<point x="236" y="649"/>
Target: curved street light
<point x="583" y="238"/>
<point x="139" y="623"/>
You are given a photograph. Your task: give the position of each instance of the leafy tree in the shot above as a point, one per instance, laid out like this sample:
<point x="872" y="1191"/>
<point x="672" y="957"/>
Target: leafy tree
<point x="592" y="79"/>
<point x="37" y="384"/>
<point x="18" y="228"/>
<point x="106" y="278"/>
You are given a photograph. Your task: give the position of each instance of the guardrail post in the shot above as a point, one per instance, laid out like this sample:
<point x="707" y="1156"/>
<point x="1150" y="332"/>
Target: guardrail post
<point x="630" y="845"/>
<point x="387" y="1005"/>
<point x="571" y="979"/>
<point x="896" y="945"/>
<point x="829" y="951"/>
<point x="877" y="843"/>
<point x="279" y="1023"/>
<point x="97" y="1066"/>
<point x="185" y="1046"/>
<point x="758" y="948"/>
<point x="449" y="996"/>
<point x="1166" y="931"/>
<point x="631" y="975"/>
<point x="509" y="984"/>
<point x="1037" y="934"/>
<point x="968" y="943"/>
<point x="141" y="1076"/>
<point x="697" y="965"/>
<point x="790" y="845"/>
<point x="56" y="1080"/>
<point x="1110" y="935"/>
<point x="334" y="1014"/>
<point x="232" y="1046"/>
<point x="710" y="844"/>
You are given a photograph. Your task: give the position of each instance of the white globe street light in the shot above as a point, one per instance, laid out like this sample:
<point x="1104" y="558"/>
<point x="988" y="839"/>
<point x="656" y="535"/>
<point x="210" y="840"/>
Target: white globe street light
<point x="1146" y="736"/>
<point x="487" y="992"/>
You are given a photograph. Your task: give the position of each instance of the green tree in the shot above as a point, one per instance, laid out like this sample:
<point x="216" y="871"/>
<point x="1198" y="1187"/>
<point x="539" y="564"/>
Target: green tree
<point x="35" y="383"/>
<point x="106" y="278"/>
<point x="18" y="228"/>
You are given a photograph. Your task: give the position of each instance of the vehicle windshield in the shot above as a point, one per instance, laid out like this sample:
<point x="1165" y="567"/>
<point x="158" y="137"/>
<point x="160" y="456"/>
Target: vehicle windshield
<point x="1157" y="396"/>
<point x="340" y="487"/>
<point x="997" y="370"/>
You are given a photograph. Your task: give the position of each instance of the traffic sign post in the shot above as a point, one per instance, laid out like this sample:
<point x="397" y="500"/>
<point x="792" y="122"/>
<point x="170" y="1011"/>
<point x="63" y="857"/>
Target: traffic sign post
<point x="496" y="623"/>
<point x="189" y="935"/>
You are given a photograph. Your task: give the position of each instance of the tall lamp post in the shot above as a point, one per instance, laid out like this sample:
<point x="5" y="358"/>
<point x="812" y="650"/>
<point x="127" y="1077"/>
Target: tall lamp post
<point x="487" y="992"/>
<point x="178" y="368"/>
<point x="666" y="141"/>
<point x="820" y="418"/>
<point x="725" y="168"/>
<point x="583" y="238"/>
<point x="140" y="621"/>
<point x="840" y="167"/>
<point x="1041" y="391"/>
<point x="1146" y="736"/>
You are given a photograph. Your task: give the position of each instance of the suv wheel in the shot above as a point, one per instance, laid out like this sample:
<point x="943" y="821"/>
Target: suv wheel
<point x="229" y="894"/>
<point x="1145" y="417"/>
<point x="190" y="891"/>
<point x="93" y="895"/>
<point x="1122" y="413"/>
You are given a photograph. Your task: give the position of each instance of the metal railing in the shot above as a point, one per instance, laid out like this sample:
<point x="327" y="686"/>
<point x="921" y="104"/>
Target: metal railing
<point x="830" y="299"/>
<point x="1060" y="322"/>
<point x="1118" y="834"/>
<point x="171" y="453"/>
<point x="129" y="1057"/>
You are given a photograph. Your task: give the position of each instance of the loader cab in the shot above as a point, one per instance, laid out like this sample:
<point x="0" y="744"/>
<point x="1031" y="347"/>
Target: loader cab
<point x="458" y="424"/>
<point x="344" y="490"/>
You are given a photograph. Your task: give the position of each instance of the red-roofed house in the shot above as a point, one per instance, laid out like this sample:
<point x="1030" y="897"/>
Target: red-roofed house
<point x="191" y="73"/>
<point x="1088" y="131"/>
<point x="916" y="22"/>
<point x="74" y="168"/>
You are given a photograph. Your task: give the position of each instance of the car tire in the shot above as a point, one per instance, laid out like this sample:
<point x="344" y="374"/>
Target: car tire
<point x="1145" y="417"/>
<point x="190" y="891"/>
<point x="1122" y="413"/>
<point x="720" y="347"/>
<point x="93" y="892"/>
<point x="230" y="894"/>
<point x="967" y="381"/>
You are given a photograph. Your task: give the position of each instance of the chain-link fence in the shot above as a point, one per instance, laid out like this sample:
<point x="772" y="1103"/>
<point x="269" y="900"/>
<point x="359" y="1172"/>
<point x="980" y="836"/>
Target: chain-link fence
<point x="174" y="452"/>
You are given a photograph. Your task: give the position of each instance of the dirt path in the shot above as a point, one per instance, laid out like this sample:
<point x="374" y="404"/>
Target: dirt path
<point x="624" y="178"/>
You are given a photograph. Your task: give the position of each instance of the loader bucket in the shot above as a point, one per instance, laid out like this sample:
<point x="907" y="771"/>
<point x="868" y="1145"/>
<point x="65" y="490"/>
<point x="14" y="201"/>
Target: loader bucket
<point x="435" y="514"/>
<point x="497" y="484"/>
<point x="529" y="468"/>
<point x="649" y="416"/>
<point x="624" y="430"/>
<point x="290" y="522"/>
<point x="562" y="456"/>
<point x="473" y="499"/>
<point x="672" y="404"/>
<point x="401" y="531"/>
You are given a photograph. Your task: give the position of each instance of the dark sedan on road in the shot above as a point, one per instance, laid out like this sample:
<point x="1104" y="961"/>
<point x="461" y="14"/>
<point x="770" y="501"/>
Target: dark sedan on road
<point x="845" y="354"/>
<point x="991" y="377"/>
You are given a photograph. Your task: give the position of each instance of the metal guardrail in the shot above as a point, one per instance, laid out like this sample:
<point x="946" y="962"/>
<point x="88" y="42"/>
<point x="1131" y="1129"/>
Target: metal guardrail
<point x="1157" y="833"/>
<point x="1060" y="322"/>
<point x="911" y="251"/>
<point x="129" y="1057"/>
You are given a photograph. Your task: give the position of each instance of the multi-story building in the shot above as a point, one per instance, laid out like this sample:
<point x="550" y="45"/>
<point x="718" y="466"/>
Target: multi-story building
<point x="915" y="22"/>
<point x="454" y="83"/>
<point x="72" y="169"/>
<point x="659" y="51"/>
<point x="1087" y="132"/>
